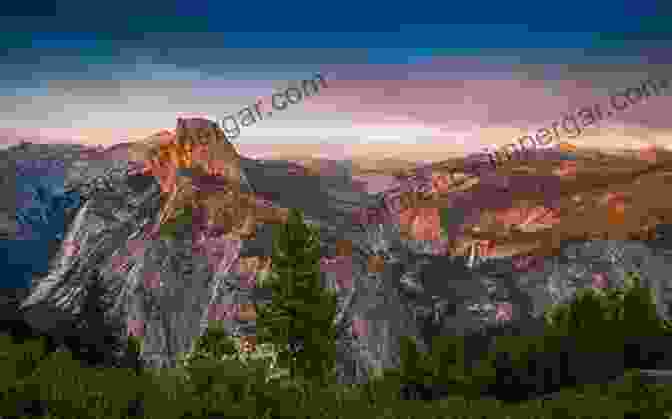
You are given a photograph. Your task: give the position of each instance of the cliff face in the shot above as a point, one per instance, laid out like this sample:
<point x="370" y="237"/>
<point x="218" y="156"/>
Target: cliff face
<point x="169" y="288"/>
<point x="392" y="277"/>
<point x="527" y="214"/>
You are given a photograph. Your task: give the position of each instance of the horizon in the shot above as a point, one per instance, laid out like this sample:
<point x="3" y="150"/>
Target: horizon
<point x="442" y="89"/>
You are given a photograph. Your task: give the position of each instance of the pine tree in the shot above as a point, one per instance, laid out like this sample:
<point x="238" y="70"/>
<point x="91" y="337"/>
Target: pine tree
<point x="299" y="320"/>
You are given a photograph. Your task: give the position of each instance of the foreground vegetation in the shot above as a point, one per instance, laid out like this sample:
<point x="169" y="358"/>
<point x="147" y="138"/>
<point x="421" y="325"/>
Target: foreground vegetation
<point x="61" y="387"/>
<point x="290" y="373"/>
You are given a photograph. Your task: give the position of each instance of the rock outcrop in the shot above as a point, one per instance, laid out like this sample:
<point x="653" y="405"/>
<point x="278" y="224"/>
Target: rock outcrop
<point x="389" y="282"/>
<point x="113" y="239"/>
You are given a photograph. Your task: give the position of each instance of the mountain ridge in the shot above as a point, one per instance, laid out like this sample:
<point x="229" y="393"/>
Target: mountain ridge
<point x="389" y="272"/>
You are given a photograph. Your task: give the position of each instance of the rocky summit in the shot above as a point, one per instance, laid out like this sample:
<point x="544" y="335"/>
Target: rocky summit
<point x="165" y="280"/>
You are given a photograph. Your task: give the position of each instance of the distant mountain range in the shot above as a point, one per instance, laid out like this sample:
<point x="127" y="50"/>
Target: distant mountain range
<point x="393" y="272"/>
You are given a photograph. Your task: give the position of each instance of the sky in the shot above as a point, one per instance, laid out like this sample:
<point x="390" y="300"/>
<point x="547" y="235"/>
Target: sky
<point x="455" y="76"/>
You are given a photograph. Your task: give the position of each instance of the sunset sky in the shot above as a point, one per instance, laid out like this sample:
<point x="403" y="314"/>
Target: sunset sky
<point x="453" y="77"/>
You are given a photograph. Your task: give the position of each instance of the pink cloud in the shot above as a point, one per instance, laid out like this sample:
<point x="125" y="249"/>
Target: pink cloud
<point x="472" y="92"/>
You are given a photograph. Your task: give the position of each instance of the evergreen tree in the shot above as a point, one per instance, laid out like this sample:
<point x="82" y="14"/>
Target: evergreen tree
<point x="299" y="320"/>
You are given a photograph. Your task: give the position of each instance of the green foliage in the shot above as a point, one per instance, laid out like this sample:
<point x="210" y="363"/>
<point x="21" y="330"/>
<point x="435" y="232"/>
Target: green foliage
<point x="623" y="319"/>
<point x="70" y="390"/>
<point x="613" y="312"/>
<point x="216" y="345"/>
<point x="219" y="379"/>
<point x="442" y="372"/>
<point x="416" y="367"/>
<point x="450" y="366"/>
<point x="181" y="221"/>
<point x="135" y="345"/>
<point x="611" y="330"/>
<point x="300" y="310"/>
<point x="446" y="220"/>
<point x="640" y="309"/>
<point x="18" y="361"/>
<point x="63" y="388"/>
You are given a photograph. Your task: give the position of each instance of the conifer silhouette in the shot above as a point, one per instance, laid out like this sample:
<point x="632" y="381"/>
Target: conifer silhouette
<point x="299" y="320"/>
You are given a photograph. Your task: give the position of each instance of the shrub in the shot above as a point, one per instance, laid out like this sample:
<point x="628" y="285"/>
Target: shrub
<point x="20" y="360"/>
<point x="610" y="331"/>
<point x="441" y="373"/>
<point x="216" y="345"/>
<point x="625" y="319"/>
<point x="222" y="373"/>
<point x="533" y="365"/>
<point x="62" y="387"/>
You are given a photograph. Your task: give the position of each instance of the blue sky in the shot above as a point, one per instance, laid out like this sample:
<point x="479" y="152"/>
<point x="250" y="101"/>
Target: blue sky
<point x="102" y="72"/>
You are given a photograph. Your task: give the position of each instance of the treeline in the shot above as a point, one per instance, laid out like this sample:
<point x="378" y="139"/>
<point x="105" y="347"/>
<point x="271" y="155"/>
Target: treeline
<point x="288" y="369"/>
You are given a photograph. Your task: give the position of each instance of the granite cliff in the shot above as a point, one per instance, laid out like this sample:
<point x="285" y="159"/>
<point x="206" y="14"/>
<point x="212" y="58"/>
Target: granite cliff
<point x="392" y="276"/>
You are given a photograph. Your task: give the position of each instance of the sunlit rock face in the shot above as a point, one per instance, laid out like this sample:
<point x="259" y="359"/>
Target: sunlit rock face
<point x="165" y="289"/>
<point x="392" y="276"/>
